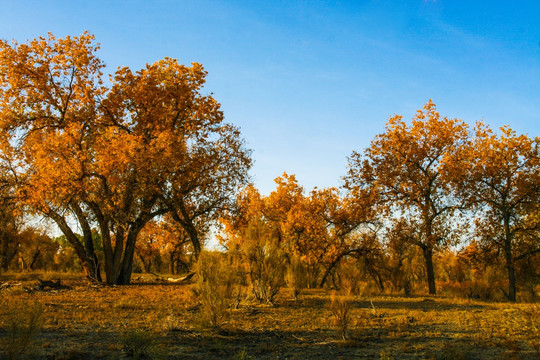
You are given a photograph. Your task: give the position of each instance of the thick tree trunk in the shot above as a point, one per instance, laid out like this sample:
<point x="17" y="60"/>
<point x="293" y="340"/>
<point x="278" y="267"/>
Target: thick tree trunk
<point x="511" y="279"/>
<point x="113" y="256"/>
<point x="119" y="261"/>
<point x="4" y="264"/>
<point x="6" y="260"/>
<point x="126" y="269"/>
<point x="108" y="253"/>
<point x="124" y="277"/>
<point x="194" y="237"/>
<point x="428" y="257"/>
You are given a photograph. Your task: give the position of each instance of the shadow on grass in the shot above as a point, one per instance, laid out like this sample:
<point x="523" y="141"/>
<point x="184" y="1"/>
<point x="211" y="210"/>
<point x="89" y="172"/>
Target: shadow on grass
<point x="397" y="303"/>
<point x="260" y="344"/>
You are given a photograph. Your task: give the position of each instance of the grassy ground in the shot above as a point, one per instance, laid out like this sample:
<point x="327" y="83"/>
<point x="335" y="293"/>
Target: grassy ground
<point x="153" y="320"/>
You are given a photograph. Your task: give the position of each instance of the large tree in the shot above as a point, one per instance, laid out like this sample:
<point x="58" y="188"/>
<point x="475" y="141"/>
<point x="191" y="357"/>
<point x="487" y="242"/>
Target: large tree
<point x="109" y="157"/>
<point x="405" y="166"/>
<point x="499" y="174"/>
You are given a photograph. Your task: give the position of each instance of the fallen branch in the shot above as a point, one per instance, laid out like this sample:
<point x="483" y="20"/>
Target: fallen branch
<point x="184" y="279"/>
<point x="45" y="285"/>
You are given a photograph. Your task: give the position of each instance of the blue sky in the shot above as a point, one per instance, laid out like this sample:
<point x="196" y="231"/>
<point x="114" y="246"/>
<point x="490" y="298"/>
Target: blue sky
<point x="308" y="82"/>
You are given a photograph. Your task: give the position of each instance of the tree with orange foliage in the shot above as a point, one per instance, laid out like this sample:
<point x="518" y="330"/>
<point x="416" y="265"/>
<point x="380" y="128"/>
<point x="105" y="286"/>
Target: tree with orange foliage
<point x="249" y="205"/>
<point x="321" y="228"/>
<point x="112" y="158"/>
<point x="404" y="165"/>
<point x="167" y="237"/>
<point x="204" y="186"/>
<point x="324" y="228"/>
<point x="499" y="174"/>
<point x="255" y="242"/>
<point x="36" y="250"/>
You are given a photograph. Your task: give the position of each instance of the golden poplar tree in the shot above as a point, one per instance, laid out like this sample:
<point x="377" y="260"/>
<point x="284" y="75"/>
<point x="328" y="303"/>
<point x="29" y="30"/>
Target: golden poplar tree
<point x="499" y="175"/>
<point x="405" y="166"/>
<point x="113" y="157"/>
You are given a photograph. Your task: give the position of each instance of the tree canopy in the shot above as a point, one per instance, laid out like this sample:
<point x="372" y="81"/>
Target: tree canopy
<point x="115" y="156"/>
<point x="405" y="167"/>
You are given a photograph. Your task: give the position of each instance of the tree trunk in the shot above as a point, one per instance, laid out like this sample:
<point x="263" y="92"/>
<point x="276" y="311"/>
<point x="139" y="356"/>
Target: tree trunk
<point x="129" y="251"/>
<point x="110" y="274"/>
<point x="6" y="260"/>
<point x="194" y="237"/>
<point x="190" y="228"/>
<point x="181" y="266"/>
<point x="428" y="256"/>
<point x="8" y="253"/>
<point x="88" y="240"/>
<point x="146" y="265"/>
<point x="90" y="266"/>
<point x="378" y="279"/>
<point x="510" y="267"/>
<point x="511" y="280"/>
<point x="34" y="259"/>
<point x="171" y="258"/>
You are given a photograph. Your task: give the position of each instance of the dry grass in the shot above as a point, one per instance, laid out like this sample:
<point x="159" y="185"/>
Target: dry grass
<point x="341" y="306"/>
<point x="162" y="320"/>
<point x="22" y="323"/>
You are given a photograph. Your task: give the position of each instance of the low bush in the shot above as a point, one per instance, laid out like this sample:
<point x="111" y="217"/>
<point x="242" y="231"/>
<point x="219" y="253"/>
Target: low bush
<point x="217" y="286"/>
<point x="23" y="323"/>
<point x="341" y="306"/>
<point x="139" y="344"/>
<point x="296" y="276"/>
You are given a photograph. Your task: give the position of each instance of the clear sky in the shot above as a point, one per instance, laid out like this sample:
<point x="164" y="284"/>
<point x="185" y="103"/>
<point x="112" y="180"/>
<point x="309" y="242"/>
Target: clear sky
<point x="308" y="82"/>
